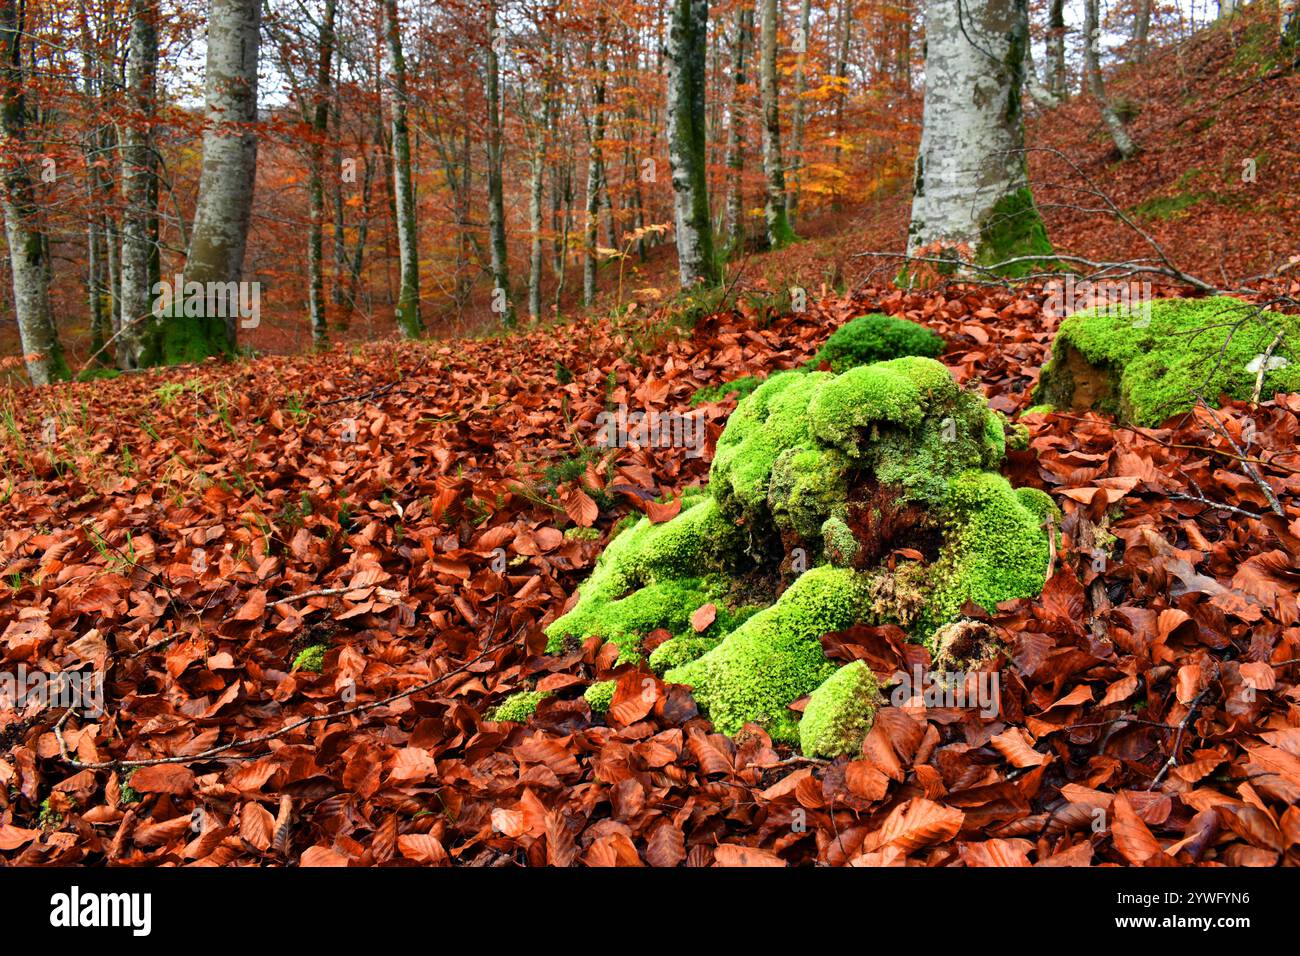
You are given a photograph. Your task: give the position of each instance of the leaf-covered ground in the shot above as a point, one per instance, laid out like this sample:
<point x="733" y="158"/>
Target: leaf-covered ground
<point x="178" y="529"/>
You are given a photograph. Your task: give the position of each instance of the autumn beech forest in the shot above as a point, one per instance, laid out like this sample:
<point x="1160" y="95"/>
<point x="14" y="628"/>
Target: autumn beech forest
<point x="573" y="434"/>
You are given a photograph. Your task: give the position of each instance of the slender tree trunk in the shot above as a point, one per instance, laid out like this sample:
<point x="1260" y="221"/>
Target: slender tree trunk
<point x="338" y="233"/>
<point x="537" y="192"/>
<point x="734" y="223"/>
<point x="1092" y="68"/>
<point x="408" y="297"/>
<point x="971" y="187"/>
<point x="1141" y="29"/>
<point x="1056" y="49"/>
<point x="363" y="229"/>
<point x="319" y="116"/>
<point x="502" y="299"/>
<point x="841" y="74"/>
<point x="225" y="203"/>
<point x="28" y="261"/>
<point x="137" y="172"/>
<point x="687" y="28"/>
<point x="97" y="297"/>
<point x="1033" y="86"/>
<point x="595" y="175"/>
<point x="797" y="123"/>
<point x="903" y="58"/>
<point x="779" y="232"/>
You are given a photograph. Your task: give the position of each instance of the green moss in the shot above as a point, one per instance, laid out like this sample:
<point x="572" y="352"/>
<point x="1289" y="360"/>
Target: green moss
<point x="518" y="706"/>
<point x="49" y="818"/>
<point x="716" y="393"/>
<point x="1147" y="367"/>
<point x="807" y="486"/>
<point x="1013" y="229"/>
<point x="840" y="712"/>
<point x="776" y="656"/>
<point x="183" y="340"/>
<point x="311" y="658"/>
<point x="1166" y="207"/>
<point x="876" y="338"/>
<point x="1018" y="436"/>
<point x="581" y="534"/>
<point x="998" y="548"/>
<point x="768" y="422"/>
<point x="666" y="604"/>
<point x="600" y="695"/>
<point x="679" y="651"/>
<point x="839" y="544"/>
<point x="97" y="374"/>
<point x="909" y="423"/>
<point x="650" y="576"/>
<point x="127" y="793"/>
<point x="884" y="456"/>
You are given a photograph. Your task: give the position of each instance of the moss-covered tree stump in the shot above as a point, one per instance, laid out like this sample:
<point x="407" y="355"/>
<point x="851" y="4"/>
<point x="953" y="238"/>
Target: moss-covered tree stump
<point x="1146" y="365"/>
<point x="818" y="483"/>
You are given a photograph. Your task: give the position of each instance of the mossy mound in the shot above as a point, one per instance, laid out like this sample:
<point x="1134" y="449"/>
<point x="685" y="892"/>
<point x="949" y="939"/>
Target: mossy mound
<point x="818" y="479"/>
<point x="840" y="712"/>
<point x="1145" y="365"/>
<point x="875" y="338"/>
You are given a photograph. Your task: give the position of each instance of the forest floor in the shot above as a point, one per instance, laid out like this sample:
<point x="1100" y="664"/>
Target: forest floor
<point x="407" y="509"/>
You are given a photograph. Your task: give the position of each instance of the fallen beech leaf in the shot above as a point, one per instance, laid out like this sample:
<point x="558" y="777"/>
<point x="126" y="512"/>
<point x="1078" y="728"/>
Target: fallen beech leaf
<point x="704" y="617"/>
<point x="729" y="854"/>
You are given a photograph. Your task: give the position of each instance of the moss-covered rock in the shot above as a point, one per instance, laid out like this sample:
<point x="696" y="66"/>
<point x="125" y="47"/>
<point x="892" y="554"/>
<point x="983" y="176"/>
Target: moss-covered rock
<point x="1148" y="364"/>
<point x="876" y="337"/>
<point x="818" y="480"/>
<point x="840" y="712"/>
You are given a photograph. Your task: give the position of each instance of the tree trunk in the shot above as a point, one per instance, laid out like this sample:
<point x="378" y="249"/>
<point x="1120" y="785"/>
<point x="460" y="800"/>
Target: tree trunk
<point x="1056" y="49"/>
<point x="27" y="250"/>
<point x="97" y="296"/>
<point x="137" y="171"/>
<point x="595" y="175"/>
<point x="779" y="232"/>
<point x="1092" y="68"/>
<point x="224" y="207"/>
<point x="1141" y="29"/>
<point x="687" y="27"/>
<point x="735" y="215"/>
<point x="540" y="139"/>
<point x="797" y="123"/>
<point x="841" y="73"/>
<point x="1037" y="91"/>
<point x="319" y="116"/>
<point x="501" y="298"/>
<point x="338" y="233"/>
<point x="971" y="187"/>
<point x="408" y="297"/>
